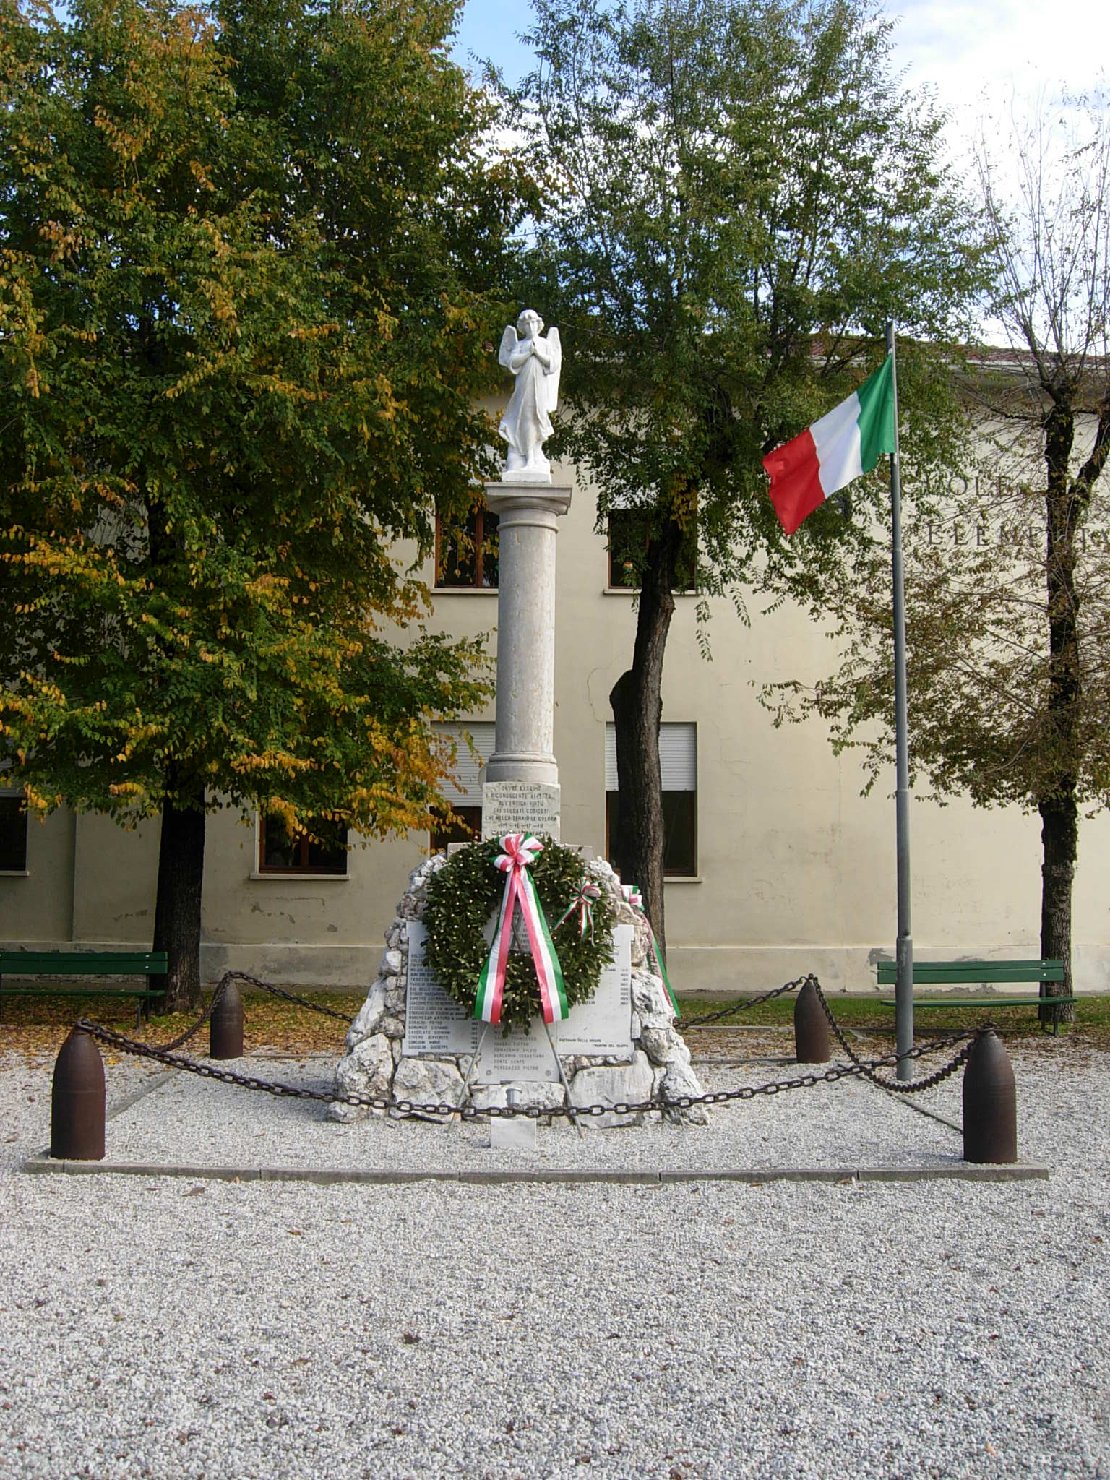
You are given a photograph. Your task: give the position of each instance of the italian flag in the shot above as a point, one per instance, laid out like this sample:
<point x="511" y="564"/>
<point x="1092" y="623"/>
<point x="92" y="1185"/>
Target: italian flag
<point x="834" y="450"/>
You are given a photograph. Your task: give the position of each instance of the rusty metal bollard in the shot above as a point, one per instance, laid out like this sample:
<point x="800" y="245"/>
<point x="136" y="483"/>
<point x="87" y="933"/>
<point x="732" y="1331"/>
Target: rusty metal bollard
<point x="78" y="1101"/>
<point x="990" y="1102"/>
<point x="811" y="1028"/>
<point x="225" y="1028"/>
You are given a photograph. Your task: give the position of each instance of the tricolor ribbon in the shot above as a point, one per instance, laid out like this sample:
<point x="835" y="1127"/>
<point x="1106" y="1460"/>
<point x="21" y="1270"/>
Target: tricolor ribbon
<point x="633" y="897"/>
<point x="584" y="903"/>
<point x="518" y="851"/>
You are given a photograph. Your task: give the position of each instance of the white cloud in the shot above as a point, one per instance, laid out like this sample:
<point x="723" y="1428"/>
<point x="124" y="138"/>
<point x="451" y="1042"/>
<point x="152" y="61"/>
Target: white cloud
<point x="977" y="52"/>
<point x="963" y="49"/>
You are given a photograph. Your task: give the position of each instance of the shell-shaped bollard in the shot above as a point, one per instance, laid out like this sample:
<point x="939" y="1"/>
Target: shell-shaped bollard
<point x="990" y="1102"/>
<point x="78" y="1101"/>
<point x="225" y="1027"/>
<point x="811" y="1028"/>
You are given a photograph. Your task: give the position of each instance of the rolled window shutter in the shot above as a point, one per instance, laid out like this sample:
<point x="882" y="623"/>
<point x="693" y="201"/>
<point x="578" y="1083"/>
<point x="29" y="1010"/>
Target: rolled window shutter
<point x="610" y="758"/>
<point x="466" y="789"/>
<point x="678" y="756"/>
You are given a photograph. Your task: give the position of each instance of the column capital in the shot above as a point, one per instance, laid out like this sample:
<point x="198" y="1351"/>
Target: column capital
<point x="522" y="499"/>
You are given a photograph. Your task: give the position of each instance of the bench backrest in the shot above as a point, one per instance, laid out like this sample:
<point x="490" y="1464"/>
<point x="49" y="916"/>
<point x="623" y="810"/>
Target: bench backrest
<point x="85" y="963"/>
<point x="938" y="973"/>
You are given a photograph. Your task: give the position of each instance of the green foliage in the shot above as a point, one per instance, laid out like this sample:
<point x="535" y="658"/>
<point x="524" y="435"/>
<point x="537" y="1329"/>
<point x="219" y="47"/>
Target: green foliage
<point x="737" y="197"/>
<point x="1008" y="567"/>
<point x="247" y="257"/>
<point x="466" y="892"/>
<point x="979" y="662"/>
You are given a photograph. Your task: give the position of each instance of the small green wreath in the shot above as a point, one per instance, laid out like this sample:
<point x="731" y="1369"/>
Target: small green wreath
<point x="467" y="891"/>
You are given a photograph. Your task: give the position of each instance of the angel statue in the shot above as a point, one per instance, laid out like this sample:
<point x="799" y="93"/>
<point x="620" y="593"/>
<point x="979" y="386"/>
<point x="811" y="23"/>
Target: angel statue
<point x="535" y="360"/>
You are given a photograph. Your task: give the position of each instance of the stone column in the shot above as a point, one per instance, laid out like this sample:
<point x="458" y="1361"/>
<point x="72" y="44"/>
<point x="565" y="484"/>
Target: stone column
<point x="524" y="751"/>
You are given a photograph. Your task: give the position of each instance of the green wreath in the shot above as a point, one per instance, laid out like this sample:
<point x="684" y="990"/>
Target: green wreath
<point x="462" y="896"/>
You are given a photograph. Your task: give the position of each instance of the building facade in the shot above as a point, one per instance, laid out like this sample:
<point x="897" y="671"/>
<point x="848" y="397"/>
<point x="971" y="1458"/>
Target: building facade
<point x="777" y="865"/>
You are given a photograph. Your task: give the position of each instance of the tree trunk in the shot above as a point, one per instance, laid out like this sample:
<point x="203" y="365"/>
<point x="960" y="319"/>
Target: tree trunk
<point x="177" y="911"/>
<point x="1059" y="845"/>
<point x="1057" y="805"/>
<point x="181" y="847"/>
<point x="637" y="702"/>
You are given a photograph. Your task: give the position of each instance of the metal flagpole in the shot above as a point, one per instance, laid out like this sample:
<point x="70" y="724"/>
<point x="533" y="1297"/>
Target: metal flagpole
<point x="903" y="991"/>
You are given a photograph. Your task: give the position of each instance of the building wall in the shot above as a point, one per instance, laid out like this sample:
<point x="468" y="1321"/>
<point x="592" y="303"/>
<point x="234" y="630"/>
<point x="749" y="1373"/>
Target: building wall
<point x="796" y="870"/>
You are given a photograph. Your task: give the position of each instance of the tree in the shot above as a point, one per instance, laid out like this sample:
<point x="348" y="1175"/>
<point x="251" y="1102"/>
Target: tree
<point x="737" y="197"/>
<point x="1008" y="623"/>
<point x="245" y="266"/>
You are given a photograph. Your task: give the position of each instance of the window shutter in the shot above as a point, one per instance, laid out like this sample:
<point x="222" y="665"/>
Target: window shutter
<point x="610" y="758"/>
<point x="678" y="757"/>
<point x="469" y="773"/>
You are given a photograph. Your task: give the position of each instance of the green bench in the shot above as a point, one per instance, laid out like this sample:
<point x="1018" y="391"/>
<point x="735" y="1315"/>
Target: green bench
<point x="980" y="973"/>
<point x="84" y="964"/>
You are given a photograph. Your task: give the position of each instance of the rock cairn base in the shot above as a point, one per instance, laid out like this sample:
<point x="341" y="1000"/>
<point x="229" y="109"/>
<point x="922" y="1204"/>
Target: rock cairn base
<point x="375" y="1065"/>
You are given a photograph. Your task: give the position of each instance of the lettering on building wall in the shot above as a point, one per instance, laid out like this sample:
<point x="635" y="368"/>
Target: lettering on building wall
<point x="982" y="534"/>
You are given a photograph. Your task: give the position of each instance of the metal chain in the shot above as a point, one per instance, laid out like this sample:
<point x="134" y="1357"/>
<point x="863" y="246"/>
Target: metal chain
<point x="225" y="1076"/>
<point x="866" y="1070"/>
<point x="742" y="1004"/>
<point x="900" y="1087"/>
<point x="408" y="1108"/>
<point x="221" y="988"/>
<point x="255" y="981"/>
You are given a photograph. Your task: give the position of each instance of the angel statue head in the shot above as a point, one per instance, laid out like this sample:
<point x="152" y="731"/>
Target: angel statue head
<point x="534" y="358"/>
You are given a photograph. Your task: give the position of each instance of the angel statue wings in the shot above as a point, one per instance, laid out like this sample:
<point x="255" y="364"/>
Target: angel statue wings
<point x="535" y="360"/>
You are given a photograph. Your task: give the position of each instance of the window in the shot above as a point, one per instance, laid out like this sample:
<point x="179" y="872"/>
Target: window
<point x="465" y="791"/>
<point x="629" y="531"/>
<point x="467" y="557"/>
<point x="13" y="833"/>
<point x="283" y="852"/>
<point x="678" y="757"/>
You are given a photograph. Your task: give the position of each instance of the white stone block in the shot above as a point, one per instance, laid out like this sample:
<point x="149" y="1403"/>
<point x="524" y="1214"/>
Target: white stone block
<point x="544" y="1096"/>
<point x="428" y="1082"/>
<point x="678" y="1081"/>
<point x="658" y="1044"/>
<point x="366" y="1070"/>
<point x="369" y="1015"/>
<point x="650" y="1000"/>
<point x="515" y="1134"/>
<point x="611" y="1085"/>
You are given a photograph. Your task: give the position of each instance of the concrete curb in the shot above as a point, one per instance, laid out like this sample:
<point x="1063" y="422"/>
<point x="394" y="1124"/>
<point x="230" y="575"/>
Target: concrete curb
<point x="752" y="1176"/>
<point x="117" y="1107"/>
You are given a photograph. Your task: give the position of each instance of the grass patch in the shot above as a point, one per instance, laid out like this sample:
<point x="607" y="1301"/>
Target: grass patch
<point x="864" y="1013"/>
<point x="36" y="1026"/>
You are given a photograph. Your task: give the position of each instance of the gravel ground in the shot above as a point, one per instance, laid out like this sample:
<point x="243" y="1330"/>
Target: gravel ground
<point x="188" y="1327"/>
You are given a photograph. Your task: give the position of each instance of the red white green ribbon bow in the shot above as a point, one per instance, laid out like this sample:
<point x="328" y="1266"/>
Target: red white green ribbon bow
<point x="633" y="897"/>
<point x="584" y="903"/>
<point x="518" y="851"/>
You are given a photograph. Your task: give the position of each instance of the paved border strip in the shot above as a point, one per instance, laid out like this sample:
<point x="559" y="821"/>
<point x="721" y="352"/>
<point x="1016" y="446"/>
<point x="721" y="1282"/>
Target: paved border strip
<point x="753" y="1176"/>
<point x="156" y="1081"/>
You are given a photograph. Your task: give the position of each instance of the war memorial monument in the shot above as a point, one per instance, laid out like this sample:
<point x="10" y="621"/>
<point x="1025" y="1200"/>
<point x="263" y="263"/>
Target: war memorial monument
<point x="519" y="970"/>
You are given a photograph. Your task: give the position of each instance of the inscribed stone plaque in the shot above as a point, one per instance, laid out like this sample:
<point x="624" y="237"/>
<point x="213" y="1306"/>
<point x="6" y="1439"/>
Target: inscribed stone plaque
<point x="604" y="1024"/>
<point x="519" y="806"/>
<point x="521" y="1058"/>
<point x="434" y="1022"/>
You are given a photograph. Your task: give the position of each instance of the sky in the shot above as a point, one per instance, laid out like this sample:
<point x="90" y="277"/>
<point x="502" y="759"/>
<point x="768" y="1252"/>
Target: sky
<point x="959" y="48"/>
